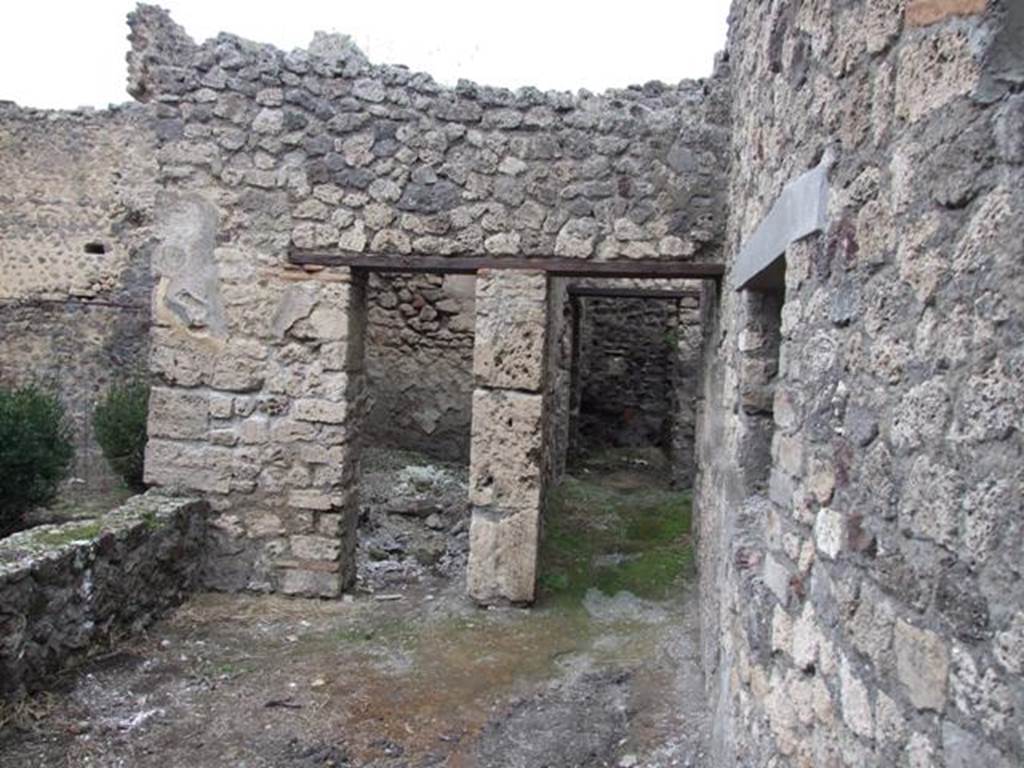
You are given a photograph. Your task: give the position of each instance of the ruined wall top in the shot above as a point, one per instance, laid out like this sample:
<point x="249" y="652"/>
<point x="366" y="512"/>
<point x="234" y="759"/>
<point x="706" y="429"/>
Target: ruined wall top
<point x="380" y="159"/>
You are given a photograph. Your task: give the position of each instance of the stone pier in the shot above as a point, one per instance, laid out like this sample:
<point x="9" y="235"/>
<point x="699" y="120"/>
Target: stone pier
<point x="507" y="463"/>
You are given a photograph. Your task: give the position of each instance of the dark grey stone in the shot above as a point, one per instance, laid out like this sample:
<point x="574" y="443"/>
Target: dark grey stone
<point x="430" y="198"/>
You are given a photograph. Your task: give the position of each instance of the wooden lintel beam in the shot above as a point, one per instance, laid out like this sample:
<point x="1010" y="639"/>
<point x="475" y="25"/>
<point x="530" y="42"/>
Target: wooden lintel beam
<point x="559" y="267"/>
<point x="586" y="291"/>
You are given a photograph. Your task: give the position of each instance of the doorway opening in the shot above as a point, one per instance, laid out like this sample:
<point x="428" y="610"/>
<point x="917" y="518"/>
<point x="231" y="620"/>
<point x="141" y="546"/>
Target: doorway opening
<point x="618" y="522"/>
<point x="414" y="466"/>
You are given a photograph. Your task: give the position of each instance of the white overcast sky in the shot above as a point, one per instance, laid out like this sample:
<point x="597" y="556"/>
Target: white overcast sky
<point x="71" y="53"/>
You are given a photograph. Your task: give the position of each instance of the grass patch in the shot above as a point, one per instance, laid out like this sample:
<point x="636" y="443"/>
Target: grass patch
<point x="82" y="532"/>
<point x="615" y="529"/>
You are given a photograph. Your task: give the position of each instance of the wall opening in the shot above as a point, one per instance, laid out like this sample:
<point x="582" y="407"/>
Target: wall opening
<point x="760" y="346"/>
<point x="634" y="374"/>
<point x="414" y="468"/>
<point x="620" y="518"/>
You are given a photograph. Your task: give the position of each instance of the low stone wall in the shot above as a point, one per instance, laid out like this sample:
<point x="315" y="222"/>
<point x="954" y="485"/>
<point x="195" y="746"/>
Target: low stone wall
<point x="65" y="589"/>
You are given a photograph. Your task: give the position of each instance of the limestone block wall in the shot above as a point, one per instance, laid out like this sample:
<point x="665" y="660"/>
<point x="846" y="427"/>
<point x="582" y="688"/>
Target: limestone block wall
<point x="68" y="590"/>
<point x="419" y="362"/>
<point x="76" y="203"/>
<point x="860" y="484"/>
<point x="262" y="151"/>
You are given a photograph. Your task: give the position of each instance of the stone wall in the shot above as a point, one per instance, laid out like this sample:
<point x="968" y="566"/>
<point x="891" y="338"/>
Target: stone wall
<point x="419" y="362"/>
<point x="860" y="485"/>
<point x="626" y="371"/>
<point x="636" y="369"/>
<point x="260" y="362"/>
<point x="68" y="590"/>
<point x="76" y="199"/>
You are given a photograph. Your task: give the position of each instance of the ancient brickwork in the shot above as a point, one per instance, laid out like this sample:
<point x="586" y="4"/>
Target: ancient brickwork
<point x="76" y="199"/>
<point x="419" y="362"/>
<point x="260" y="363"/>
<point x="860" y="448"/>
<point x="69" y="590"/>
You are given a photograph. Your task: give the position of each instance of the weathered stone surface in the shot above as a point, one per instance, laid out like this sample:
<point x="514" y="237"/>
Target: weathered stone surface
<point x="307" y="583"/>
<point x="922" y="665"/>
<point x="179" y="414"/>
<point x="506" y="450"/>
<point x="197" y="466"/>
<point x="509" y="342"/>
<point x="888" y="387"/>
<point x="322" y="411"/>
<point x="503" y="556"/>
<point x="63" y="587"/>
<point x="923" y="12"/>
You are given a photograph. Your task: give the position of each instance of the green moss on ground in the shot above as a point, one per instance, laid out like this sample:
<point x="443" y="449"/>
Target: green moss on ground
<point x="615" y="527"/>
<point x="83" y="532"/>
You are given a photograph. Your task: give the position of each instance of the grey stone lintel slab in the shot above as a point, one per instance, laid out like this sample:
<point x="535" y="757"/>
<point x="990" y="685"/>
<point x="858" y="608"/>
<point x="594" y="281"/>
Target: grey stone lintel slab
<point x="801" y="210"/>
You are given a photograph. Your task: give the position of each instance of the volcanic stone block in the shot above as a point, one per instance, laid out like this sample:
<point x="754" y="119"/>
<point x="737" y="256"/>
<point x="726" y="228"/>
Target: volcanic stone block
<point x="506" y="450"/>
<point x="510" y="329"/>
<point x="922" y="665"/>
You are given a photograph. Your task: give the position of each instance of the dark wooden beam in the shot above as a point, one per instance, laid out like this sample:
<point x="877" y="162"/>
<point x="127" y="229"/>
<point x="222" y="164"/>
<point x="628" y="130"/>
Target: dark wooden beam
<point x="586" y="291"/>
<point x="650" y="268"/>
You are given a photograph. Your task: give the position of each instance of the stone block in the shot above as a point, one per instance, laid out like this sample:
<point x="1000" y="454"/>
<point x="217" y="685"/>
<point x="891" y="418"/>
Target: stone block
<point x="933" y="70"/>
<point x="857" y="712"/>
<point x="315" y="547"/>
<point x="920" y="13"/>
<point x="506" y="449"/>
<point x="511" y="319"/>
<point x="922" y="665"/>
<point x="776" y="578"/>
<point x="503" y="556"/>
<point x="310" y="499"/>
<point x="576" y="239"/>
<point x="221" y="406"/>
<point x="829" y="530"/>
<point x="320" y="411"/>
<point x="178" y="413"/>
<point x="807" y="639"/>
<point x="308" y="583"/>
<point x="963" y="749"/>
<point x="1009" y="645"/>
<point x="193" y="466"/>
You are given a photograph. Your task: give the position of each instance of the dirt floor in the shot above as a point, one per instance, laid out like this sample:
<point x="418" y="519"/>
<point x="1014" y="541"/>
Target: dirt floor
<point x="603" y="671"/>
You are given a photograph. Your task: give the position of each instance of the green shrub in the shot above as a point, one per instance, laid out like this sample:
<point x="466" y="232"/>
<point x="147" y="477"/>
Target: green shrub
<point x="120" y="424"/>
<point x="35" y="452"/>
